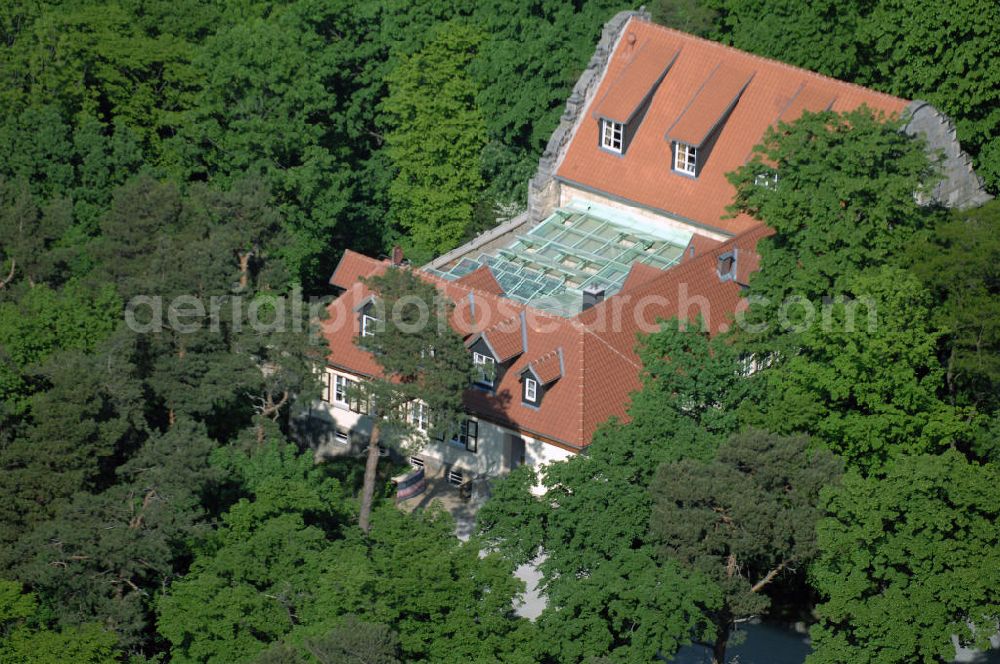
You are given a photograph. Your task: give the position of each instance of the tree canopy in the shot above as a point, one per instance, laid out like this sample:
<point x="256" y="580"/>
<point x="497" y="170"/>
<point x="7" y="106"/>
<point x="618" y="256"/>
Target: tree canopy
<point x="906" y="561"/>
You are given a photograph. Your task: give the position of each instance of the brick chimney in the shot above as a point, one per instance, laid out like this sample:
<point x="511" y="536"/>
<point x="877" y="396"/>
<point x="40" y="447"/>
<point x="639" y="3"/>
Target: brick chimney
<point x="397" y="255"/>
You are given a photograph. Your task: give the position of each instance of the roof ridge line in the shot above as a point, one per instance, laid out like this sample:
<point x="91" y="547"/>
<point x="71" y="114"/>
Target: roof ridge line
<point x="764" y="58"/>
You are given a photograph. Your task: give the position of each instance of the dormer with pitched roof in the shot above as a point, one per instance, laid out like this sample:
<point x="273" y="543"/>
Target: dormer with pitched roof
<point x="694" y="133"/>
<point x="495" y="348"/>
<point x="703" y="106"/>
<point x="539" y="375"/>
<point x="622" y="108"/>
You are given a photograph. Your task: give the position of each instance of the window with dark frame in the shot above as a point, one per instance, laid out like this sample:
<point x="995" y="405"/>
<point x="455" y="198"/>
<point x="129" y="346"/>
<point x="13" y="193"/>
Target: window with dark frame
<point x="468" y="436"/>
<point x="727" y="266"/>
<point x="325" y="396"/>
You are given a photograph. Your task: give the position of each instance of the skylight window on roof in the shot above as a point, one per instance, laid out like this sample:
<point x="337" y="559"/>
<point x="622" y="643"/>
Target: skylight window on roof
<point x="612" y="136"/>
<point x="548" y="265"/>
<point x="686" y="158"/>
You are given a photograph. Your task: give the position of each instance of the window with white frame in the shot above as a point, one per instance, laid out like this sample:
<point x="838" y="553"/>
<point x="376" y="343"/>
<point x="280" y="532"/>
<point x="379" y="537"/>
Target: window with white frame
<point x="530" y="389"/>
<point x="420" y="416"/>
<point x="612" y="135"/>
<point x="485" y="368"/>
<point x="686" y="158"/>
<point x="341" y="385"/>
<point x="455" y="477"/>
<point x="368" y="324"/>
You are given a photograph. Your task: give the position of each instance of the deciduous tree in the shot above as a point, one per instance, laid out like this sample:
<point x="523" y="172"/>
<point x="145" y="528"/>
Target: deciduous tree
<point x="959" y="262"/>
<point x="608" y="592"/>
<point x="843" y="202"/>
<point x="435" y="138"/>
<point x="908" y="560"/>
<point x="865" y="379"/>
<point x="26" y="637"/>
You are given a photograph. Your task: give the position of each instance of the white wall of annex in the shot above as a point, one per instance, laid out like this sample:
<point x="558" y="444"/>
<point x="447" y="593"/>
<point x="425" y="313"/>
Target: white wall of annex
<point x="569" y="193"/>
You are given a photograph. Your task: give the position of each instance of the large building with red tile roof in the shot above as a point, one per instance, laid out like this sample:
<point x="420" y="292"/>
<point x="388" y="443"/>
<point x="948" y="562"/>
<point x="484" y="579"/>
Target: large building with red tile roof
<point x="688" y="111"/>
<point x="627" y="226"/>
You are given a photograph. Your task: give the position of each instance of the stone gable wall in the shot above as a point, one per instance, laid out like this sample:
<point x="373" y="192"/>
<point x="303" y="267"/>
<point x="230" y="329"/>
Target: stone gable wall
<point x="543" y="190"/>
<point x="960" y="186"/>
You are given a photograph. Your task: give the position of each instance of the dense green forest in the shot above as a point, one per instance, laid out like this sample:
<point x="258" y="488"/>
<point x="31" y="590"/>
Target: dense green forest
<point x="152" y="504"/>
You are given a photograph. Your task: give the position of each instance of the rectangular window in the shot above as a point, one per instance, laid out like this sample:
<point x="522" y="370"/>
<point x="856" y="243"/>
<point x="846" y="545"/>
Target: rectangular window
<point x="530" y="389"/>
<point x="612" y="135"/>
<point x="686" y="159"/>
<point x="468" y="436"/>
<point x="341" y="437"/>
<point x="358" y="403"/>
<point x="420" y="416"/>
<point x="485" y="367"/>
<point x="341" y="384"/>
<point x="325" y="386"/>
<point x="368" y="325"/>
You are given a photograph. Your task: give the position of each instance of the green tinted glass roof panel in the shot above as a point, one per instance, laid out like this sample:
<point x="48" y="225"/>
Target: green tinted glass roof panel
<point x="579" y="246"/>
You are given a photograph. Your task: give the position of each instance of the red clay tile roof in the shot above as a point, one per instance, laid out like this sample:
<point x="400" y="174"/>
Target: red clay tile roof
<point x="481" y="279"/>
<point x="698" y="245"/>
<point x="548" y="367"/>
<point x="643" y="174"/>
<point x="352" y="267"/>
<point x="559" y="419"/>
<point x="808" y="98"/>
<point x="506" y="339"/>
<point x="640" y="273"/>
<point x="717" y="95"/>
<point x="599" y="368"/>
<point x="646" y="67"/>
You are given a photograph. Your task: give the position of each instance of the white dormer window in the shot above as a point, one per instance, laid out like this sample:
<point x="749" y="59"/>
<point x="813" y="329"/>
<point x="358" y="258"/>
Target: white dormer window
<point x="530" y="389"/>
<point x="485" y="367"/>
<point x="368" y="325"/>
<point x="686" y="159"/>
<point x="612" y="135"/>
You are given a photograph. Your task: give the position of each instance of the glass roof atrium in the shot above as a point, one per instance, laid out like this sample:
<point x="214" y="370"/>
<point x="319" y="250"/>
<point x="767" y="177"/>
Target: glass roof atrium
<point x="580" y="246"/>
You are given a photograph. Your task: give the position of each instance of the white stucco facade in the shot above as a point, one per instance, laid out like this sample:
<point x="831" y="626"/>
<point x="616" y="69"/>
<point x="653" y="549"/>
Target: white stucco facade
<point x="569" y="194"/>
<point x="497" y="450"/>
